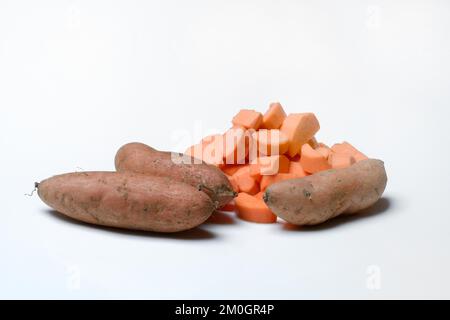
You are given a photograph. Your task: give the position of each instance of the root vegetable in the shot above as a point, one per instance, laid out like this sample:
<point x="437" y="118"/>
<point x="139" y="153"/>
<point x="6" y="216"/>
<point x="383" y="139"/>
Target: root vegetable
<point x="140" y="158"/>
<point x="127" y="200"/>
<point x="317" y="198"/>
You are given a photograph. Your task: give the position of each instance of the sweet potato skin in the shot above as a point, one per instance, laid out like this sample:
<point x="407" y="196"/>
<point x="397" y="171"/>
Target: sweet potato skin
<point x="127" y="200"/>
<point x="317" y="198"/>
<point x="140" y="158"/>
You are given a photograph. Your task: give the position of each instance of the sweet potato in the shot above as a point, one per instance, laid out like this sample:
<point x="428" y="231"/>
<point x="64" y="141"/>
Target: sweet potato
<point x="270" y="165"/>
<point x="347" y="148"/>
<point x="313" y="143"/>
<point x="229" y="207"/>
<point x="317" y="198"/>
<point x="127" y="200"/>
<point x="299" y="128"/>
<point x="231" y="169"/>
<point x="270" y="142"/>
<point x="249" y="119"/>
<point x="253" y="209"/>
<point x="340" y="160"/>
<point x="274" y="117"/>
<point x="312" y="160"/>
<point x="268" y="180"/>
<point x="235" y="146"/>
<point x="296" y="169"/>
<point x="247" y="184"/>
<point x="140" y="158"/>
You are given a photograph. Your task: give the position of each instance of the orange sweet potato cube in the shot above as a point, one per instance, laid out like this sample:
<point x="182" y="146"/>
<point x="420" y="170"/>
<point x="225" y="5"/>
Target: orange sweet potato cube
<point x="249" y="119"/>
<point x="270" y="165"/>
<point x="340" y="160"/>
<point x="347" y="148"/>
<point x="274" y="117"/>
<point x="312" y="160"/>
<point x="299" y="128"/>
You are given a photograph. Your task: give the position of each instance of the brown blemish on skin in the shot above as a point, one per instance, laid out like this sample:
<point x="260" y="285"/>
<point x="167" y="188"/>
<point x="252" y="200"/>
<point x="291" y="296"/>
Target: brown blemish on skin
<point x="307" y="194"/>
<point x="123" y="189"/>
<point x="95" y="201"/>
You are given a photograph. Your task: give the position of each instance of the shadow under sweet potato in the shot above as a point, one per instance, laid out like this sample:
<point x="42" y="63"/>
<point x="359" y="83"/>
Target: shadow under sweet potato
<point x="221" y="218"/>
<point x="377" y="209"/>
<point x="193" y="234"/>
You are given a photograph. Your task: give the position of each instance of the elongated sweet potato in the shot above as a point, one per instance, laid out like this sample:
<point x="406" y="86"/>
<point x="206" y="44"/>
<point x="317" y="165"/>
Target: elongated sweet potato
<point x="317" y="198"/>
<point x="140" y="158"/>
<point x="127" y="200"/>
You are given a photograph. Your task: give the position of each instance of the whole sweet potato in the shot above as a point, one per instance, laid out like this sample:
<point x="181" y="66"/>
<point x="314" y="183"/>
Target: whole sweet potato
<point x="317" y="198"/>
<point x="127" y="200"/>
<point x="140" y="158"/>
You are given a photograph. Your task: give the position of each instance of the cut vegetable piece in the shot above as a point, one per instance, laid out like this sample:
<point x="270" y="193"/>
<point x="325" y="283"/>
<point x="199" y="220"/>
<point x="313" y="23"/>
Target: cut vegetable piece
<point x="340" y="160"/>
<point x="347" y="148"/>
<point x="296" y="158"/>
<point x="213" y="150"/>
<point x="229" y="207"/>
<point x="360" y="157"/>
<point x="211" y="139"/>
<point x="312" y="160"/>
<point x="210" y="150"/>
<point x="296" y="169"/>
<point x="259" y="195"/>
<point x="324" y="151"/>
<point x="270" y="165"/>
<point x="253" y="209"/>
<point x="233" y="183"/>
<point x="299" y="128"/>
<point x="255" y="172"/>
<point x="270" y="142"/>
<point x="247" y="184"/>
<point x="313" y="143"/>
<point x="274" y="117"/>
<point x="268" y="180"/>
<point x="249" y="119"/>
<point x="231" y="169"/>
<point x="235" y="146"/>
<point x="243" y="170"/>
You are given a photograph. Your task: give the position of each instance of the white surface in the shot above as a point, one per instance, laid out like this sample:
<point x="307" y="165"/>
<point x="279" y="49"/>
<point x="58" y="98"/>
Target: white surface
<point x="80" y="78"/>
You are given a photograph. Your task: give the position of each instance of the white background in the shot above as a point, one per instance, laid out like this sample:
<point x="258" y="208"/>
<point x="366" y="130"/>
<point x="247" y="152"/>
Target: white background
<point x="80" y="78"/>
